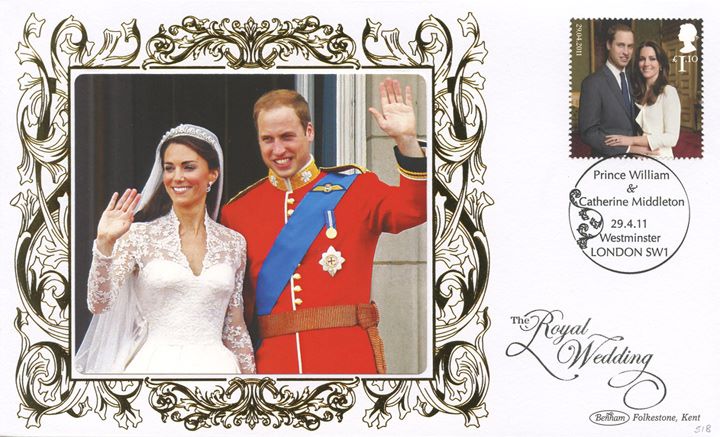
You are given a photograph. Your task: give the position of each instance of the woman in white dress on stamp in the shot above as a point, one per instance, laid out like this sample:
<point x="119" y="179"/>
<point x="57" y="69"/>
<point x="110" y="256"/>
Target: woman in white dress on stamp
<point x="166" y="279"/>
<point x="658" y="103"/>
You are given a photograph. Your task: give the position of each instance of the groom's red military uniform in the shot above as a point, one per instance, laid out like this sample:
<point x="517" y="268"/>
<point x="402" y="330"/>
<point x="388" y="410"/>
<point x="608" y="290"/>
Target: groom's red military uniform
<point x="368" y="208"/>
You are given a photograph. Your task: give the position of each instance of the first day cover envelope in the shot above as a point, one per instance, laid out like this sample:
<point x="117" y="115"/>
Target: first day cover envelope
<point x="565" y="281"/>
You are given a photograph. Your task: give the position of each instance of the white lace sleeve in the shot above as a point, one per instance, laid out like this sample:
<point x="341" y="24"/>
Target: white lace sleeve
<point x="108" y="273"/>
<point x="235" y="333"/>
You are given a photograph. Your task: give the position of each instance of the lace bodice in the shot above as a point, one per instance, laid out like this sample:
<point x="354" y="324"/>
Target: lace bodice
<point x="178" y="306"/>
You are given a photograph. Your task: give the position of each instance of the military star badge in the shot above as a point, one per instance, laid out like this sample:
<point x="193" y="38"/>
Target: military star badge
<point x="331" y="261"/>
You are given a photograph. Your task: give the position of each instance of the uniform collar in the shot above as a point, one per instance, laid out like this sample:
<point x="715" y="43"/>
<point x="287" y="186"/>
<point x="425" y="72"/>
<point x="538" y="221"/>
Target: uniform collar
<point x="303" y="177"/>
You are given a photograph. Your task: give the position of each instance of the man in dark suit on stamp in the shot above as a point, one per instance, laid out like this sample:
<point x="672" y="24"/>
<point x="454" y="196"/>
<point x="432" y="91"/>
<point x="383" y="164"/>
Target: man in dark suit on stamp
<point x="606" y="104"/>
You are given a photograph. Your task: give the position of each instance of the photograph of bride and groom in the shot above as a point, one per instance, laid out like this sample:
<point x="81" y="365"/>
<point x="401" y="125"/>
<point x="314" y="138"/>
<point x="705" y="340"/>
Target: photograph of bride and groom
<point x="228" y="223"/>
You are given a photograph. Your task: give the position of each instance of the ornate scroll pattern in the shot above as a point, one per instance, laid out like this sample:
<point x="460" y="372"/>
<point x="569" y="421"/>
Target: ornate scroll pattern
<point x="252" y="401"/>
<point x="251" y="44"/>
<point x="42" y="250"/>
<point x="592" y="221"/>
<point x="461" y="248"/>
<point x="41" y="255"/>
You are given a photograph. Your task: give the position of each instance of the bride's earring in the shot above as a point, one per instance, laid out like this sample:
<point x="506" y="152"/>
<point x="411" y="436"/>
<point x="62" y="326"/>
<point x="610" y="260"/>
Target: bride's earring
<point x="209" y="187"/>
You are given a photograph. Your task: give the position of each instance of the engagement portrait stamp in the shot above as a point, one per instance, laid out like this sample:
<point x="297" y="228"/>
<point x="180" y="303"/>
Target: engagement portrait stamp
<point x="636" y="87"/>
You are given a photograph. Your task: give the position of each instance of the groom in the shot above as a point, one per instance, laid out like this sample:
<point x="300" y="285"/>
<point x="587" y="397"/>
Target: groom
<point x="606" y="105"/>
<point x="311" y="236"/>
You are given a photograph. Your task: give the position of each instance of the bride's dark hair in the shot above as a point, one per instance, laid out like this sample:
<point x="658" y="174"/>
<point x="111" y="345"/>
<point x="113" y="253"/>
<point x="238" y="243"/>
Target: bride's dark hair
<point x="641" y="92"/>
<point x="160" y="203"/>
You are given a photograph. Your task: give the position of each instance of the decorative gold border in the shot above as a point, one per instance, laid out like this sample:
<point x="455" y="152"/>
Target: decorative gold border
<point x="461" y="256"/>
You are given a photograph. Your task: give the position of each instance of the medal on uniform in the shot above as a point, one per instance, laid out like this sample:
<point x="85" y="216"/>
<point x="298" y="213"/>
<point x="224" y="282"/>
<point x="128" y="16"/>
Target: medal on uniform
<point x="331" y="231"/>
<point x="331" y="261"/>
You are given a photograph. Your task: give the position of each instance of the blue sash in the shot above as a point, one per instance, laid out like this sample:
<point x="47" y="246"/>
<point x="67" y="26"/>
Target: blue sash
<point x="295" y="238"/>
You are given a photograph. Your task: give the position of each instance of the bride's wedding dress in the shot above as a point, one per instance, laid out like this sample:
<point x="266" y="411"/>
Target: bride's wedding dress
<point x="187" y="323"/>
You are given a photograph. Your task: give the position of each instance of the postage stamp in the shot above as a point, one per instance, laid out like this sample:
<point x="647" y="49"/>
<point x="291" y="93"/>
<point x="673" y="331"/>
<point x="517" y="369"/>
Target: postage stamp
<point x="636" y="87"/>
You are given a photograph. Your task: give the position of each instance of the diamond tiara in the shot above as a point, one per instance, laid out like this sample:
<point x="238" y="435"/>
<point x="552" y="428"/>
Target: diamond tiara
<point x="193" y="131"/>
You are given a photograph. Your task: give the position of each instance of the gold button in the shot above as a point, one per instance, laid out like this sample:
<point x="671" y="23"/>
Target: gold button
<point x="296" y="276"/>
<point x="297" y="288"/>
<point x="291" y="211"/>
<point x="291" y="200"/>
<point x="298" y="301"/>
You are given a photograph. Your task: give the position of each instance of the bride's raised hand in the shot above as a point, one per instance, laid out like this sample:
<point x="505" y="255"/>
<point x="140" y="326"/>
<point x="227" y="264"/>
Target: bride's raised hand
<point x="116" y="220"/>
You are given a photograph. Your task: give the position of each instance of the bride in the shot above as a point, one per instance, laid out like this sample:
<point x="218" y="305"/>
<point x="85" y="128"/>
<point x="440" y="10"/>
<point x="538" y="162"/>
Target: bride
<point x="658" y="103"/>
<point x="166" y="291"/>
